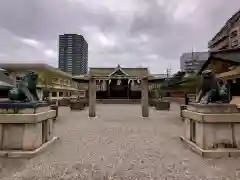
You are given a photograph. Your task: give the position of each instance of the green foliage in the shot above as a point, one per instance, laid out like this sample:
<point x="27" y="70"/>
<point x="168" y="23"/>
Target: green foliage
<point x="182" y="82"/>
<point x="157" y="93"/>
<point x="191" y="83"/>
<point x="44" y="79"/>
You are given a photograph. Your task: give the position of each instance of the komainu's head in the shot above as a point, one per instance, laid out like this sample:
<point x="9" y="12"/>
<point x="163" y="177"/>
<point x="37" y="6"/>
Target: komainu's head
<point x="32" y="76"/>
<point x="209" y="80"/>
<point x="207" y="74"/>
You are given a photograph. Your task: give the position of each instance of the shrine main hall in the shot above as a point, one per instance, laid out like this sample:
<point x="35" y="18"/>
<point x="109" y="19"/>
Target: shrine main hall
<point x="120" y="83"/>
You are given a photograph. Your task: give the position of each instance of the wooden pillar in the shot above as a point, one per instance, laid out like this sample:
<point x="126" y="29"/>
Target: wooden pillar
<point x="92" y="97"/>
<point x="145" y="109"/>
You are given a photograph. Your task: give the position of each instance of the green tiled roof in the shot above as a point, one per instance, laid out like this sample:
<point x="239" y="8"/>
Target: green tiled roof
<point x="128" y="71"/>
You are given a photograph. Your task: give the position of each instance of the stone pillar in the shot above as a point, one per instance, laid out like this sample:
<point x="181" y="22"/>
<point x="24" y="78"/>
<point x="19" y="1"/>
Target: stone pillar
<point x="50" y="95"/>
<point x="92" y="97"/>
<point x="40" y="94"/>
<point x="229" y="84"/>
<point x="57" y="98"/>
<point x="145" y="109"/>
<point x="108" y="89"/>
<point x="13" y="76"/>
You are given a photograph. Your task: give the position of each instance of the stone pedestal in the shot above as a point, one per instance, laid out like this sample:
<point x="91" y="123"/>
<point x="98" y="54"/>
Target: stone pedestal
<point x="145" y="108"/>
<point x="151" y="102"/>
<point x="182" y="108"/>
<point x="77" y="105"/>
<point x="212" y="130"/>
<point x="25" y="129"/>
<point x="64" y="102"/>
<point x="92" y="97"/>
<point x="54" y="107"/>
<point x="162" y="105"/>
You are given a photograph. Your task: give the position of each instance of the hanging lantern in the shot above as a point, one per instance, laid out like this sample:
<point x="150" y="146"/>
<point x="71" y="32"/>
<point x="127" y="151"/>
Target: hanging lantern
<point x="129" y="81"/>
<point x="109" y="81"/>
<point x="138" y="81"/>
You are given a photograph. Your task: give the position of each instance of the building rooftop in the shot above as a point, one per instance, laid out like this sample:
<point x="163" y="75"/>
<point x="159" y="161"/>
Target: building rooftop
<point x="229" y="54"/>
<point x="127" y="71"/>
<point x="38" y="67"/>
<point x="5" y="81"/>
<point x="195" y="55"/>
<point x="232" y="55"/>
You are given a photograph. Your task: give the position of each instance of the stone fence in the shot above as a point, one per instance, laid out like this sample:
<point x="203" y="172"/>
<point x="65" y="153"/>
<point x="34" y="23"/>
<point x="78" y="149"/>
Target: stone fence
<point x="175" y="100"/>
<point x="180" y="100"/>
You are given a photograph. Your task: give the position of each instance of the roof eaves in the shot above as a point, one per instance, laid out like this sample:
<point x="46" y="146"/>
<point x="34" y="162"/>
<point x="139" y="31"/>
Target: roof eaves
<point x="118" y="69"/>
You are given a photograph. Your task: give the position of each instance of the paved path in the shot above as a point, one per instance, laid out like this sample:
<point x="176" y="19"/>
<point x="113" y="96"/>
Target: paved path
<point x="119" y="144"/>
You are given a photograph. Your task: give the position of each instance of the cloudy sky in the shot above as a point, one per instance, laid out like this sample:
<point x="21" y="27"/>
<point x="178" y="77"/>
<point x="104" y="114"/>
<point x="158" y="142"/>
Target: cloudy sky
<point x="132" y="33"/>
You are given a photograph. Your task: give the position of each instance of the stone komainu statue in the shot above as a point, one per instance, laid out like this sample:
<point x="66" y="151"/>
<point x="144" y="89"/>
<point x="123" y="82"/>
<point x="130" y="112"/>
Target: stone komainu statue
<point x="26" y="90"/>
<point x="211" y="91"/>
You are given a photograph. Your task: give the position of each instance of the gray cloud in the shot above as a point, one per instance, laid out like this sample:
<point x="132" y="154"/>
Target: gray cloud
<point x="131" y="33"/>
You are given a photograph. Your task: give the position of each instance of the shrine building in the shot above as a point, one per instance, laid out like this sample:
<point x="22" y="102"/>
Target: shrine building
<point x="120" y="83"/>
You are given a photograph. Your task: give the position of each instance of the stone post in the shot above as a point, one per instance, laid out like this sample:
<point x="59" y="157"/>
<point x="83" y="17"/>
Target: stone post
<point x="50" y="95"/>
<point x="145" y="109"/>
<point x="92" y="97"/>
<point x="14" y="78"/>
<point x="40" y="94"/>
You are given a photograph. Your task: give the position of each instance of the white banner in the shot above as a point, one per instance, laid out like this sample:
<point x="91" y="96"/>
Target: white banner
<point x="119" y="82"/>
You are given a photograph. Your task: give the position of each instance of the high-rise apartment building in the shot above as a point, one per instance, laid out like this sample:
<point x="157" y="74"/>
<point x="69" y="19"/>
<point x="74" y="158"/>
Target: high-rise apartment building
<point x="193" y="61"/>
<point x="73" y="54"/>
<point x="229" y="35"/>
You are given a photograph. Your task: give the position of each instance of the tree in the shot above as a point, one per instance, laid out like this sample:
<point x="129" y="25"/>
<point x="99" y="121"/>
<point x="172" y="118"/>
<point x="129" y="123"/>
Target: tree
<point x="191" y="83"/>
<point x="45" y="82"/>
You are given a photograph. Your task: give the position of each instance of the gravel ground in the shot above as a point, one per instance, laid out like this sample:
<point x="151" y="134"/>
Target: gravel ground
<point x="118" y="144"/>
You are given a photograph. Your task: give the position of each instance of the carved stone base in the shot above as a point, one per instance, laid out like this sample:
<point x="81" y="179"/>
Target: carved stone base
<point x="77" y="106"/>
<point x="216" y="153"/>
<point x="162" y="105"/>
<point x="182" y="107"/>
<point x="54" y="107"/>
<point x="212" y="128"/>
<point x="28" y="154"/>
<point x="64" y="102"/>
<point x="25" y="127"/>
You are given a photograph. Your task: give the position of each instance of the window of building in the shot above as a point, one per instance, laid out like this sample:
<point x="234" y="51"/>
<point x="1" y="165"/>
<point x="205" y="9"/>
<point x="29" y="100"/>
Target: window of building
<point x="235" y="43"/>
<point x="54" y="94"/>
<point x="234" y="34"/>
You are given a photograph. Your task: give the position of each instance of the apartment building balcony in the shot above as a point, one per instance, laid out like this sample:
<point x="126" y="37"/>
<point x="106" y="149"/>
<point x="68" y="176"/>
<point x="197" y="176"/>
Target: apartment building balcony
<point x="220" y="45"/>
<point x="218" y="39"/>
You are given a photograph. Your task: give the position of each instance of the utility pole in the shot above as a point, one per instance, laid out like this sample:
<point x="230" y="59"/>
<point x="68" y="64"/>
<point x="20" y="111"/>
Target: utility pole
<point x="168" y="71"/>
